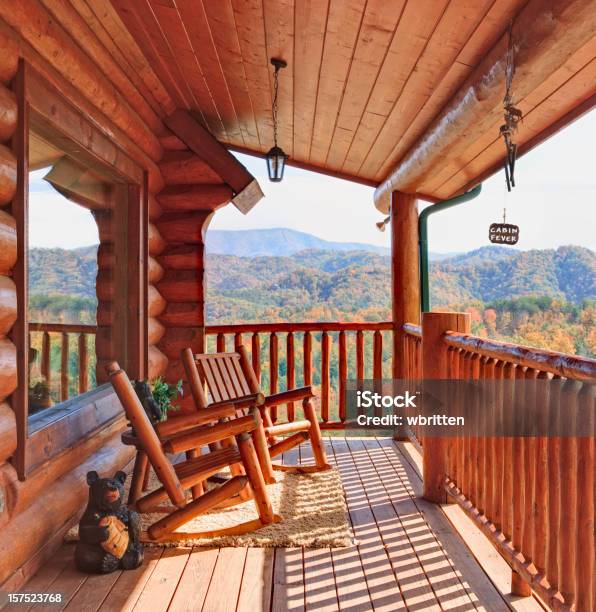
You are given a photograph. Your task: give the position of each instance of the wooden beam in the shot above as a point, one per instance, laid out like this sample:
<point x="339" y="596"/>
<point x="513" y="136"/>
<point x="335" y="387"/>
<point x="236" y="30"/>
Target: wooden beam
<point x="545" y="34"/>
<point x="204" y="145"/>
<point x="405" y="275"/>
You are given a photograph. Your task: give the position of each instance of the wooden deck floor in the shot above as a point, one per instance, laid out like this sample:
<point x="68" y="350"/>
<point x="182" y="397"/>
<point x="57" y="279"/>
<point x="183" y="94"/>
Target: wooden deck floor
<point x="408" y="557"/>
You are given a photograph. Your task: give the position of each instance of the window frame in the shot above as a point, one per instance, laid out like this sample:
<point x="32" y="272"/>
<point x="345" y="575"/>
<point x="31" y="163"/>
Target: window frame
<point x="49" y="111"/>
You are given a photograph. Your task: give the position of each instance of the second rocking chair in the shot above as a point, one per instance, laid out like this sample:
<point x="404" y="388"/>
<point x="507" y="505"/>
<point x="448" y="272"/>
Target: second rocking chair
<point x="229" y="377"/>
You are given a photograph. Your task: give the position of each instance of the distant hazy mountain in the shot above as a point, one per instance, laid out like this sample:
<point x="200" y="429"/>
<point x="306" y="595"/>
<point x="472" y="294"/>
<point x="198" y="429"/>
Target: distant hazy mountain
<point x="278" y="241"/>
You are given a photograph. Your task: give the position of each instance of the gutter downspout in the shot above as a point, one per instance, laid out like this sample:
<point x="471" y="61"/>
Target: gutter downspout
<point x="423" y="238"/>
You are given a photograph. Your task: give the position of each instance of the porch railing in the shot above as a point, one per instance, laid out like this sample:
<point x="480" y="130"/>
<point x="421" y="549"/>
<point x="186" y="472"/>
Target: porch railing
<point x="532" y="496"/>
<point x="77" y="338"/>
<point x="321" y="354"/>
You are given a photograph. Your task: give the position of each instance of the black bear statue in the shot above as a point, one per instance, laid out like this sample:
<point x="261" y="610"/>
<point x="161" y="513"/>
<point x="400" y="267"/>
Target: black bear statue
<point x="109" y="532"/>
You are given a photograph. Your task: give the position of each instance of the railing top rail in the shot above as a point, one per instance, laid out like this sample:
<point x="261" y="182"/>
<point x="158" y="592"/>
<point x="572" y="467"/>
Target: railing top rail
<point x="298" y="327"/>
<point x="569" y="366"/>
<point x="63" y="327"/>
<point x="412" y="330"/>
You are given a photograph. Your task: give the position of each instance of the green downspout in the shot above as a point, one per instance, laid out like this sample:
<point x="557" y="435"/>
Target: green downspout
<point x="423" y="238"/>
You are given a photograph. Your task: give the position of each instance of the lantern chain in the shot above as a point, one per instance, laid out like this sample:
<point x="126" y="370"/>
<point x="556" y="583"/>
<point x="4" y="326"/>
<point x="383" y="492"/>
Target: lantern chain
<point x="274" y="106"/>
<point x="512" y="115"/>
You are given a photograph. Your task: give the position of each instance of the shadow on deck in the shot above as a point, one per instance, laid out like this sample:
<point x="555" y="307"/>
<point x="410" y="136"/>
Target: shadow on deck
<point x="408" y="556"/>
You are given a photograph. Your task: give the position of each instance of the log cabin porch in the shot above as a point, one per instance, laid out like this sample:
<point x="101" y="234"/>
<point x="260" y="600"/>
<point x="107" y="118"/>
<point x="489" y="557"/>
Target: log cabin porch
<point x="409" y="555"/>
<point x="132" y="109"/>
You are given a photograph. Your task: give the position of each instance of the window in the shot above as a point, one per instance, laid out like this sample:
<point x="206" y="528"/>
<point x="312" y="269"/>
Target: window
<point x="81" y="299"/>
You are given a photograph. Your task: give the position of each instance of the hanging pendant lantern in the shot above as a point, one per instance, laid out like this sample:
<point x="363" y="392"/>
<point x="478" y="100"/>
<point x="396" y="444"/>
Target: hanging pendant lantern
<point x="276" y="158"/>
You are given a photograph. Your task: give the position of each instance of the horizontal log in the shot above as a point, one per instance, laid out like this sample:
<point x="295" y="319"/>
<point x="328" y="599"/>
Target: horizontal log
<point x="182" y="257"/>
<point x="185" y="168"/>
<point x="65" y="498"/>
<point x="154" y="270"/>
<point x="194" y="197"/>
<point x="183" y="314"/>
<point x="21" y="495"/>
<point x="8" y="432"/>
<point x="175" y="372"/>
<point x="104" y="285"/>
<point x="8" y="368"/>
<point x="104" y="343"/>
<point x="177" y="338"/>
<point x="155" y="240"/>
<point x="154" y="209"/>
<point x="155" y="302"/>
<point x="105" y="313"/>
<point x="65" y="54"/>
<point x="155" y="330"/>
<point x="105" y="256"/>
<point x="8" y="113"/>
<point x="8" y="242"/>
<point x="9" y="59"/>
<point x="79" y="31"/>
<point x="287" y="444"/>
<point x="8" y="304"/>
<point x="8" y="175"/>
<point x="291" y="395"/>
<point x="182" y="286"/>
<point x="328" y="326"/>
<point x="171" y="142"/>
<point x="184" y="227"/>
<point x="569" y="366"/>
<point x="158" y="363"/>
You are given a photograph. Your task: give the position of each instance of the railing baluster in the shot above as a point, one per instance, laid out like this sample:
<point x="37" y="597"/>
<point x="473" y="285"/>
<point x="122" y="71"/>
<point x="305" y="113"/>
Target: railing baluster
<point x="221" y="343"/>
<point x="378" y="355"/>
<point x="519" y="484"/>
<point x="46" y="370"/>
<point x="360" y="355"/>
<point x="568" y="465"/>
<point x="307" y="359"/>
<point x="256" y="355"/>
<point x="540" y="535"/>
<point x="585" y="549"/>
<point x="554" y="486"/>
<point x="237" y="340"/>
<point x="273" y="370"/>
<point x="64" y="368"/>
<point x="325" y="354"/>
<point x="83" y="364"/>
<point x="343" y="375"/>
<point x="290" y="372"/>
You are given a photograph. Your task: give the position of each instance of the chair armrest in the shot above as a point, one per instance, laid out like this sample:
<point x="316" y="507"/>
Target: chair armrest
<point x="292" y="395"/>
<point x="201" y="436"/>
<point x="244" y="401"/>
<point x="212" y="414"/>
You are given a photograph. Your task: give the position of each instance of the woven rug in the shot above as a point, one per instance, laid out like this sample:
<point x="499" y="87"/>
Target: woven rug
<point x="312" y="507"/>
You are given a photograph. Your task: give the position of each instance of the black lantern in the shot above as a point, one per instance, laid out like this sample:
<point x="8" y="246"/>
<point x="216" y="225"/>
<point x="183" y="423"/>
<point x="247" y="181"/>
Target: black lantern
<point x="276" y="163"/>
<point x="276" y="158"/>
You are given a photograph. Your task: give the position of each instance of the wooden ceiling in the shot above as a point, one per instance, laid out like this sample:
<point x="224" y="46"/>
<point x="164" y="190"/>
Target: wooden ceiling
<point x="365" y="78"/>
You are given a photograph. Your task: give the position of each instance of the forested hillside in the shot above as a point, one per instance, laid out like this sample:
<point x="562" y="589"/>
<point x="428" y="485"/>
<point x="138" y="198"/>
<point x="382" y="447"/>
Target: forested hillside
<point x="540" y="297"/>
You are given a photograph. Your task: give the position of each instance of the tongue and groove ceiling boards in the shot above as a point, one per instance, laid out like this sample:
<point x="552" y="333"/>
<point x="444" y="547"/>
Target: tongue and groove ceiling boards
<point x="365" y="78"/>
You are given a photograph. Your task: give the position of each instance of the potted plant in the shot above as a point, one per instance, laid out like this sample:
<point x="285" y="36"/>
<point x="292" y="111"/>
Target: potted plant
<point x="157" y="397"/>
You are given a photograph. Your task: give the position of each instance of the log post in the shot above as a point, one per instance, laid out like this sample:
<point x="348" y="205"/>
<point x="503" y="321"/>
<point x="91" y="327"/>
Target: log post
<point x="435" y="366"/>
<point x="405" y="275"/>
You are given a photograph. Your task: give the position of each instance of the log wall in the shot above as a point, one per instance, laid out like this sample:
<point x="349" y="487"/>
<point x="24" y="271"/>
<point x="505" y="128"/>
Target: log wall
<point x="187" y="202"/>
<point x="66" y="52"/>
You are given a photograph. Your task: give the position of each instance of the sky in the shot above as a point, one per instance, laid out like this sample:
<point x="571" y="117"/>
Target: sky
<point x="554" y="203"/>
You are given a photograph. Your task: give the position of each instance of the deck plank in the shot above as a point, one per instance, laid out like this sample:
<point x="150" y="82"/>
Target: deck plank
<point x="162" y="583"/>
<point x="224" y="588"/>
<point x="129" y="586"/>
<point x="257" y="580"/>
<point x="193" y="585"/>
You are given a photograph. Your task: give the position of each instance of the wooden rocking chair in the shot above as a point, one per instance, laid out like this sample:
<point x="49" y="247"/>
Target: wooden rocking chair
<point x="236" y="452"/>
<point x="230" y="377"/>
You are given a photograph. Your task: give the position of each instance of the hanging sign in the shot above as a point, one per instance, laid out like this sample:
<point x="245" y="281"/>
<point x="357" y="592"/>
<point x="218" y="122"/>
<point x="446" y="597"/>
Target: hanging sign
<point x="503" y="233"/>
